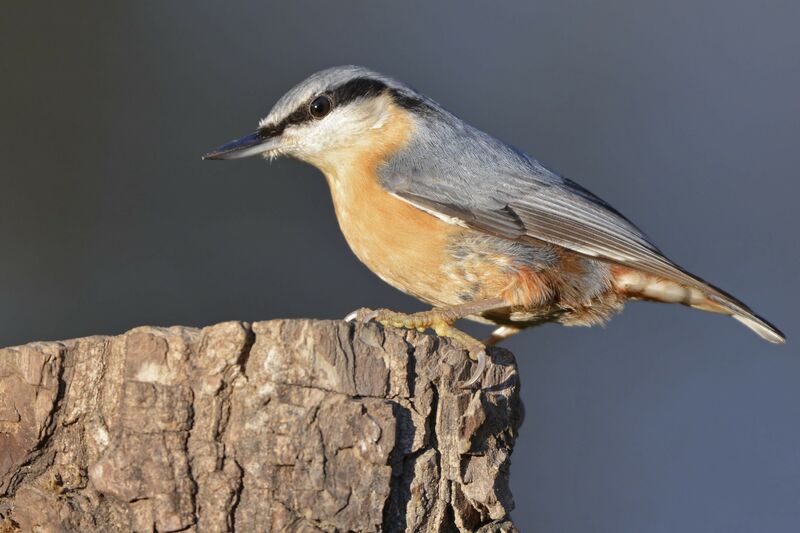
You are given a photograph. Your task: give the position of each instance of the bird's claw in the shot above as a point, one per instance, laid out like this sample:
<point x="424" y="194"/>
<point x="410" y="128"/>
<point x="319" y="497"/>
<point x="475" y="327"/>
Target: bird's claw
<point x="478" y="372"/>
<point x="363" y="315"/>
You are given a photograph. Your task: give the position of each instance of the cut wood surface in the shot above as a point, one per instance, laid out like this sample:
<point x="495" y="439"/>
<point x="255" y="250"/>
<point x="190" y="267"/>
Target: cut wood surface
<point x="285" y="425"/>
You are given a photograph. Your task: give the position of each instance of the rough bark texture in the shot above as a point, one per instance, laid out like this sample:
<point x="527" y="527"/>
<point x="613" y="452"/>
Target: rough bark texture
<point x="276" y="426"/>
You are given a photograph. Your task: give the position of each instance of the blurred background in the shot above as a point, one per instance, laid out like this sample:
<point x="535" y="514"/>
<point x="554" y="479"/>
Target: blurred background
<point x="684" y="115"/>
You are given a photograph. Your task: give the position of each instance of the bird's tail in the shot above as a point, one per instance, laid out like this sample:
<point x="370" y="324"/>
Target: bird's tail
<point x="700" y="295"/>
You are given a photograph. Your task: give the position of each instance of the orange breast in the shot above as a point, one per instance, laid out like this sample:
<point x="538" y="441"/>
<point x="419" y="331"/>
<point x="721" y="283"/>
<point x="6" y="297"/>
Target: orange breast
<point x="406" y="247"/>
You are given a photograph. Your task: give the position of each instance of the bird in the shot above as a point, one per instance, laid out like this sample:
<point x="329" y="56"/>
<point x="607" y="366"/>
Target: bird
<point x="464" y="222"/>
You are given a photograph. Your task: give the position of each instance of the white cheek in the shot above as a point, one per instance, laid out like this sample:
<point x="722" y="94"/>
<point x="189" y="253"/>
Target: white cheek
<point x="315" y="137"/>
<point x="316" y="142"/>
<point x="322" y="140"/>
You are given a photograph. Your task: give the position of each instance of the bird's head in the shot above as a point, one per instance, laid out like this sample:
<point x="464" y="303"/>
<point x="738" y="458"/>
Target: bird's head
<point x="334" y="113"/>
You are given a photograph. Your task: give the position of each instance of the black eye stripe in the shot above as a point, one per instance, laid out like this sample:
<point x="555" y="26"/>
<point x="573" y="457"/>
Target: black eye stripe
<point x="355" y="89"/>
<point x="343" y="95"/>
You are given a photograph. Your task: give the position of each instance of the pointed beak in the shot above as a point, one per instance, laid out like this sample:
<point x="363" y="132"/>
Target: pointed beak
<point x="253" y="144"/>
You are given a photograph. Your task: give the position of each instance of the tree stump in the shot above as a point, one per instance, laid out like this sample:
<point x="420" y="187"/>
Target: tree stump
<point x="286" y="425"/>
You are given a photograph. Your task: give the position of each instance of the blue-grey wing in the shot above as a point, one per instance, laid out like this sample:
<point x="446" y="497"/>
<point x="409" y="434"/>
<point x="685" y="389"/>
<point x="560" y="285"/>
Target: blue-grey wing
<point x="553" y="214"/>
<point x="476" y="180"/>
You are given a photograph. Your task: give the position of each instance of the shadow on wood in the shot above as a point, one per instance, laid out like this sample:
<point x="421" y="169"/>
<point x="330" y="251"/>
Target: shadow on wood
<point x="287" y="425"/>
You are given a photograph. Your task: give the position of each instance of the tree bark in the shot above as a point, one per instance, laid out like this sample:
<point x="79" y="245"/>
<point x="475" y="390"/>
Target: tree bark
<point x="286" y="425"/>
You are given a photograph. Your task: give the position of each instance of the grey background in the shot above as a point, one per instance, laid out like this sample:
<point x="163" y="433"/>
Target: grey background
<point x="684" y="115"/>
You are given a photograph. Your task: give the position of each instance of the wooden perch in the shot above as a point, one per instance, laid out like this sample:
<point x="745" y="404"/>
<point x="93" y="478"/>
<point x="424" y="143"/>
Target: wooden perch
<point x="287" y="425"/>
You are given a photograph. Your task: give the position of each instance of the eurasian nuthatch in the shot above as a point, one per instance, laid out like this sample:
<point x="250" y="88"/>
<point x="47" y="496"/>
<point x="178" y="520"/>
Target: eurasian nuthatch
<point x="464" y="222"/>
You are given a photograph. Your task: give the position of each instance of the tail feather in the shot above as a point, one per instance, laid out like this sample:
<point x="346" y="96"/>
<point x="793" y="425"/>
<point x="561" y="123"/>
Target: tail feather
<point x="700" y="295"/>
<point x="746" y="316"/>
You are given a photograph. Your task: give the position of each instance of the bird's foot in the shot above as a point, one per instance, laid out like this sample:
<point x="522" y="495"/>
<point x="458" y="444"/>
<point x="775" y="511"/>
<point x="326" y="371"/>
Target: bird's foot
<point x="439" y="320"/>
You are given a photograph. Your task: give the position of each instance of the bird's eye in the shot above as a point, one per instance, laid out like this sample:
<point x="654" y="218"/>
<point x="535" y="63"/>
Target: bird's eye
<point x="320" y="107"/>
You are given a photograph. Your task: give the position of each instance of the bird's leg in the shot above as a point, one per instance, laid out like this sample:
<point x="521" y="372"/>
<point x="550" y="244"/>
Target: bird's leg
<point x="441" y="320"/>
